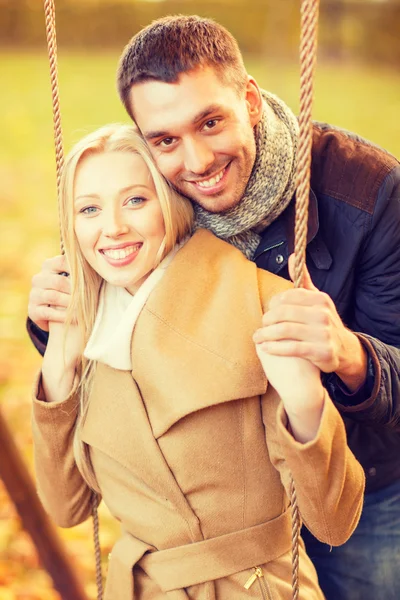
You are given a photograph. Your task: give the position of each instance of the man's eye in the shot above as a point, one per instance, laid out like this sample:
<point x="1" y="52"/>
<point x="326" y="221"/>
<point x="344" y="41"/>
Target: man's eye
<point x="136" y="201"/>
<point x="88" y="210"/>
<point x="210" y="124"/>
<point x="166" y="142"/>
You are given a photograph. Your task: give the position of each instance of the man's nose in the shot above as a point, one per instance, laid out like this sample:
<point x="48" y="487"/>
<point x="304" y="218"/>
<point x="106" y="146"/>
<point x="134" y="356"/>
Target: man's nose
<point x="114" y="223"/>
<point x="198" y="156"/>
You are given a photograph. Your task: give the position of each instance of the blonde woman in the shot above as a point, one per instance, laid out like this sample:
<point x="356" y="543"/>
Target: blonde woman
<point x="152" y="394"/>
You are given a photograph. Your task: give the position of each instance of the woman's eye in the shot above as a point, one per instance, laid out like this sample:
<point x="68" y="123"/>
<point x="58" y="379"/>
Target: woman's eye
<point x="88" y="210"/>
<point x="136" y="201"/>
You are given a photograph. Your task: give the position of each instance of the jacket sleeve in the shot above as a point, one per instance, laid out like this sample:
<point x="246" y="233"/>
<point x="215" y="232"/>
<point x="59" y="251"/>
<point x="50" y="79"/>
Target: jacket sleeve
<point x="38" y="336"/>
<point x="62" y="490"/>
<point x="328" y="479"/>
<point x="376" y="317"/>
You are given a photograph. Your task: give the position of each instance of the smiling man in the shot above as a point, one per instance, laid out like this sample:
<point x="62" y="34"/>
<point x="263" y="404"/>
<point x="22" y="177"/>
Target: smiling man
<point x="231" y="148"/>
<point x="201" y="134"/>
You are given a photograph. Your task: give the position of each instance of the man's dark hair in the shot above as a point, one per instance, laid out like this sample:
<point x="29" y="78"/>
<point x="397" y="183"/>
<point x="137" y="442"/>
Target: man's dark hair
<point x="177" y="44"/>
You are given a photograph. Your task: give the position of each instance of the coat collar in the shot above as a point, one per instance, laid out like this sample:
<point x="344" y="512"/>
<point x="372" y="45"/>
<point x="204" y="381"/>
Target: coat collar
<point x="192" y="345"/>
<point x="192" y="348"/>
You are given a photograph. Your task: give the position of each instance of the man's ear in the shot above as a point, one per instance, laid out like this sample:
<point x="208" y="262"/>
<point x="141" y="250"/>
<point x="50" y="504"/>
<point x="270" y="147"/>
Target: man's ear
<point x="253" y="100"/>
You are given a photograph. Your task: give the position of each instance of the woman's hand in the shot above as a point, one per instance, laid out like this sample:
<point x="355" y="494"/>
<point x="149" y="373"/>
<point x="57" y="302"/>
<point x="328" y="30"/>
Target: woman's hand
<point x="62" y="355"/>
<point x="64" y="346"/>
<point x="298" y="383"/>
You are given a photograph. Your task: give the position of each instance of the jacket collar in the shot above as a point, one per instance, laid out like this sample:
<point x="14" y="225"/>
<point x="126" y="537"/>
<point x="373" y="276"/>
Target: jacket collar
<point x="282" y="230"/>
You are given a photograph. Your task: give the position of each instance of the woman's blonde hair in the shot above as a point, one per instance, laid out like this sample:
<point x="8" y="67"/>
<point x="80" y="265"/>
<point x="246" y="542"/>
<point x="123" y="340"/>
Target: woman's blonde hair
<point x="85" y="282"/>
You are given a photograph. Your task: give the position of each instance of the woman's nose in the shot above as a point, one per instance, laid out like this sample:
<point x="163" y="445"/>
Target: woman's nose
<point x="114" y="224"/>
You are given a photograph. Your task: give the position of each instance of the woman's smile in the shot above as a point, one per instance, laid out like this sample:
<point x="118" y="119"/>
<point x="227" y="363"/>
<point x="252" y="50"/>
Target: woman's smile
<point x="122" y="255"/>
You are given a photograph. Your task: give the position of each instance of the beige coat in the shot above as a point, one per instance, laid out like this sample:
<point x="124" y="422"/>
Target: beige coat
<point x="191" y="449"/>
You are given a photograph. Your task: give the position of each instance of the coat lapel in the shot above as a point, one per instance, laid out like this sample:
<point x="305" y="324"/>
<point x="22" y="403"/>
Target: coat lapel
<point x="192" y="345"/>
<point x="117" y="425"/>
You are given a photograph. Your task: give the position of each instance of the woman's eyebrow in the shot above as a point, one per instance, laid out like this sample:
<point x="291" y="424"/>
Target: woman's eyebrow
<point x="121" y="191"/>
<point x="84" y="196"/>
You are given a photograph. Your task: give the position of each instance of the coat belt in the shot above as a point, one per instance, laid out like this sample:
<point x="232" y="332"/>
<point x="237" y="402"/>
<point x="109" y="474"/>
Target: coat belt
<point x="219" y="557"/>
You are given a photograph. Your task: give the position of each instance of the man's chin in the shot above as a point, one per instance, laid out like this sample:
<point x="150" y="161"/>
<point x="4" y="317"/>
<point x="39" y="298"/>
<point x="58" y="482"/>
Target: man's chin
<point x="217" y="203"/>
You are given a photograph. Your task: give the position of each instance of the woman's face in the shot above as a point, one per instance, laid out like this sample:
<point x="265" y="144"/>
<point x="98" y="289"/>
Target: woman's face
<point x="118" y="220"/>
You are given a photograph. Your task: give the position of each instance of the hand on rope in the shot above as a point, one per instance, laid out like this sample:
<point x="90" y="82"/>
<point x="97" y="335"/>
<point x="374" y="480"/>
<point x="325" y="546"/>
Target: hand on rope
<point x="50" y="293"/>
<point x="304" y="323"/>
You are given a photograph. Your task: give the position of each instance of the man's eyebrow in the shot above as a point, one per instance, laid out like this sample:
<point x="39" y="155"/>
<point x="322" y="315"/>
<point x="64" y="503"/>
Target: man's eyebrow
<point x="206" y="112"/>
<point x="152" y="135"/>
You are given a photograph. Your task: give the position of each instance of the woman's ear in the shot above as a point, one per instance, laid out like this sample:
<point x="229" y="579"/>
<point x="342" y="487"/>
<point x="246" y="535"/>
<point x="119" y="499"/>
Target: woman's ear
<point x="254" y="101"/>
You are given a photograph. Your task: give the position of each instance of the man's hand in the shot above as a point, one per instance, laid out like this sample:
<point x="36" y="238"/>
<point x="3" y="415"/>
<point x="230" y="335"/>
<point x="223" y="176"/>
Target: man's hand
<point x="304" y="323"/>
<point x="50" y="293"/>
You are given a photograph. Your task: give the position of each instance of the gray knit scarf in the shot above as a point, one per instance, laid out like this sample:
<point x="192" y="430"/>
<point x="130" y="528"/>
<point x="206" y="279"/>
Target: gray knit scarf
<point x="271" y="184"/>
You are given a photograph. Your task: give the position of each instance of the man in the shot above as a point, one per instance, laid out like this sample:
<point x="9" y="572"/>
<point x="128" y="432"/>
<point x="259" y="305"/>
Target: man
<point x="231" y="148"/>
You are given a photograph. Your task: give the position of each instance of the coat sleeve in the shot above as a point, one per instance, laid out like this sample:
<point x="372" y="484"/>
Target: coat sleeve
<point x="329" y="481"/>
<point x="62" y="490"/>
<point x="376" y="316"/>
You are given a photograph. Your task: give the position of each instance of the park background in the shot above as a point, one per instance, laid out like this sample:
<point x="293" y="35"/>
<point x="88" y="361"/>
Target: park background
<point x="357" y="87"/>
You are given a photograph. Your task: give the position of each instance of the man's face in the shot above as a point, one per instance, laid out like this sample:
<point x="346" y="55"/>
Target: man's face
<point x="200" y="133"/>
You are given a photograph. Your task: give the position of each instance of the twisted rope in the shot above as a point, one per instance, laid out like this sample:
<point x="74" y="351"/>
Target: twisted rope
<point x="308" y="50"/>
<point x="97" y="549"/>
<point x="50" y="19"/>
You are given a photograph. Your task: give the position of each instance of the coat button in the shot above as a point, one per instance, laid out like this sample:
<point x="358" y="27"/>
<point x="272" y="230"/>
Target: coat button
<point x="372" y="471"/>
<point x="279" y="259"/>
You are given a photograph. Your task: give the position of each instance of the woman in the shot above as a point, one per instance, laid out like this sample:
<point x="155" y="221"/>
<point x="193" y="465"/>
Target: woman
<point x="153" y="396"/>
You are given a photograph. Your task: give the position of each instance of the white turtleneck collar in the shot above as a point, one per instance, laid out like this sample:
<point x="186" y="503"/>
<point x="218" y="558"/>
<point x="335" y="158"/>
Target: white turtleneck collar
<point x="117" y="313"/>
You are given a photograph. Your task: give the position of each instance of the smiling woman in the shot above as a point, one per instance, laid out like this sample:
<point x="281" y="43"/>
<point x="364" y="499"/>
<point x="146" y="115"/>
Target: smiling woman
<point x="119" y="222"/>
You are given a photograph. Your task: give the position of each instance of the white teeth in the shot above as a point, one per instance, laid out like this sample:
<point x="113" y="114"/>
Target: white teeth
<point x="210" y="182"/>
<point x="121" y="253"/>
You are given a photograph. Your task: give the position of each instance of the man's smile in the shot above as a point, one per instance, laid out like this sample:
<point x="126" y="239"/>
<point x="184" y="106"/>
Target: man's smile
<point x="213" y="184"/>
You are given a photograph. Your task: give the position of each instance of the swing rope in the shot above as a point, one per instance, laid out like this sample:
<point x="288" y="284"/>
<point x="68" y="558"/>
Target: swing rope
<point x="308" y="48"/>
<point x="308" y="54"/>
<point x="50" y="19"/>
